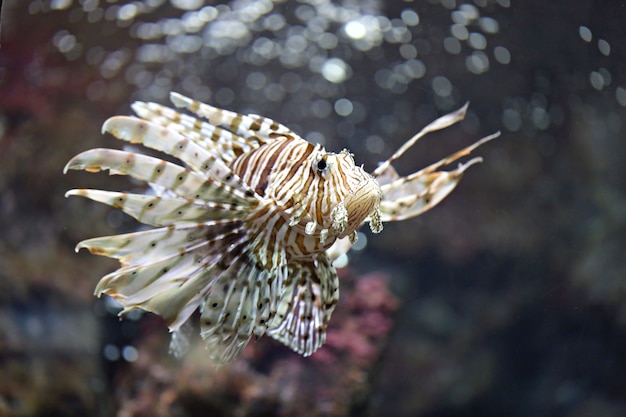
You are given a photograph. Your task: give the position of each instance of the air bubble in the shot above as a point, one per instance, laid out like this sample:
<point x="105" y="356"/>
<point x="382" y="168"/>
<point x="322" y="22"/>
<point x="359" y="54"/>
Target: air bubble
<point x="604" y="47"/>
<point x="502" y="55"/>
<point x="597" y="80"/>
<point x="459" y="31"/>
<point x="452" y="45"/>
<point x="355" y="30"/>
<point x="442" y="86"/>
<point x="336" y="70"/>
<point x="620" y="95"/>
<point x="343" y="107"/>
<point x="111" y="352"/>
<point x="585" y="33"/>
<point x="477" y="62"/>
<point x="410" y="17"/>
<point x="130" y="354"/>
<point x="477" y="41"/>
<point x="512" y="120"/>
<point x="489" y="25"/>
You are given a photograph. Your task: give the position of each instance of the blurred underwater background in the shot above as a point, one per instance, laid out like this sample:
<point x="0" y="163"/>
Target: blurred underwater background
<point x="508" y="298"/>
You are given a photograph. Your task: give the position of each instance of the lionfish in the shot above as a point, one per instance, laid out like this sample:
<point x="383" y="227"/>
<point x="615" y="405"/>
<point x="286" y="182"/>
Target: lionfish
<point x="247" y="229"/>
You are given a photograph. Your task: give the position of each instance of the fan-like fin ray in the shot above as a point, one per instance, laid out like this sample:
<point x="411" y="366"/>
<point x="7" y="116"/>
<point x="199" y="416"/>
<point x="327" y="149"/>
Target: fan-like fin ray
<point x="258" y="127"/>
<point x="219" y="274"/>
<point x="144" y="247"/>
<point x="414" y="194"/>
<point x="134" y="286"/>
<point x="433" y="188"/>
<point x="219" y="141"/>
<point x="308" y="299"/>
<point x="453" y="157"/>
<point x="441" y="123"/>
<point x="239" y="305"/>
<point x="181" y="181"/>
<point x="200" y="160"/>
<point x="163" y="211"/>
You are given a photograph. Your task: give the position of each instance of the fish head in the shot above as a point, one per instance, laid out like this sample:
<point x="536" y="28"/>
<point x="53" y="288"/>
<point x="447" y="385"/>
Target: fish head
<point x="350" y="193"/>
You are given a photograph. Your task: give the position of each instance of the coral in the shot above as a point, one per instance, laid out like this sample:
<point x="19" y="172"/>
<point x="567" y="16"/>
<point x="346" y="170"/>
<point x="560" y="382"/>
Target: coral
<point x="268" y="379"/>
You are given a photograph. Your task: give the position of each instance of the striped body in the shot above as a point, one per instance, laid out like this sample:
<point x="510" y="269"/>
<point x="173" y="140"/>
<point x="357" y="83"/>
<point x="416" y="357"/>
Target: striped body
<point x="247" y="229"/>
<point x="309" y="186"/>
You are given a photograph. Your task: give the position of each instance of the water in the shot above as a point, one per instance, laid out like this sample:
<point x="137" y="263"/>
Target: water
<point x="511" y="291"/>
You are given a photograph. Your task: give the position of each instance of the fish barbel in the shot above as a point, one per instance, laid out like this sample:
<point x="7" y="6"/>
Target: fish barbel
<point x="247" y="228"/>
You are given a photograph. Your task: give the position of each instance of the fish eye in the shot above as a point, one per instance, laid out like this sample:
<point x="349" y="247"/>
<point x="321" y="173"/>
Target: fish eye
<point x="321" y="165"/>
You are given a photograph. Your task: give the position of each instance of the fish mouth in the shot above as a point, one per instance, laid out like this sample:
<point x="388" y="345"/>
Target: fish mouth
<point x="361" y="202"/>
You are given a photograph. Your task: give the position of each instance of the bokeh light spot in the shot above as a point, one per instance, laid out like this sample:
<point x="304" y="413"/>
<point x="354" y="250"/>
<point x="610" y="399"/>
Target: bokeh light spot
<point x="335" y="70"/>
<point x="502" y="55"/>
<point x="355" y="29"/>
<point x="585" y="33"/>
<point x="343" y="107"/>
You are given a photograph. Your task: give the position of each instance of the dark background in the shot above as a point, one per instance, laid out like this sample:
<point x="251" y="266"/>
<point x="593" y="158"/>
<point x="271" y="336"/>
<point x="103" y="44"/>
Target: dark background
<point x="512" y="290"/>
